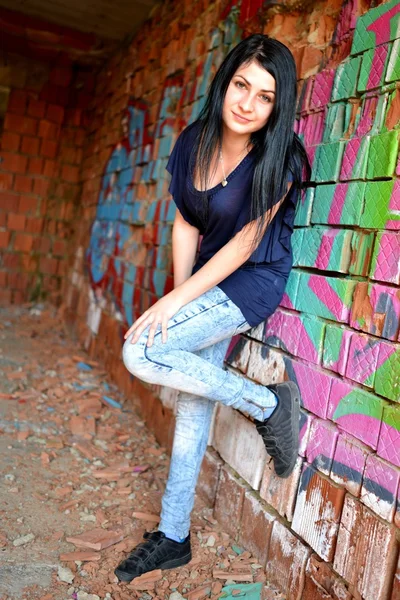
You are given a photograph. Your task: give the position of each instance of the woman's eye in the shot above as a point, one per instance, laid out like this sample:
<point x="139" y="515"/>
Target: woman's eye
<point x="239" y="83"/>
<point x="266" y="98"/>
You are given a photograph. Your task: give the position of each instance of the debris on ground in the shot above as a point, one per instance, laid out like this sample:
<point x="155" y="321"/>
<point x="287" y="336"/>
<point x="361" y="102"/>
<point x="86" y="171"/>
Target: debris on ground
<point x="82" y="478"/>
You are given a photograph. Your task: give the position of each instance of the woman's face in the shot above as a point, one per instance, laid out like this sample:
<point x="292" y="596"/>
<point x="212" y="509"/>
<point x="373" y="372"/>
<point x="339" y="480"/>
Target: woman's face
<point x="249" y="99"/>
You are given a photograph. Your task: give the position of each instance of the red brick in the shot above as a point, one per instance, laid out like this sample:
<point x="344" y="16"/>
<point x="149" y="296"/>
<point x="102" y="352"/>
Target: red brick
<point x="256" y="526"/>
<point x="48" y="149"/>
<point x="34" y="225"/>
<point x="10" y="141"/>
<point x="30" y="145"/>
<point x="18" y="297"/>
<point x="16" y="163"/>
<point x="35" y="166"/>
<point x="396" y="583"/>
<point x="70" y="173"/>
<point x="366" y="551"/>
<point x="287" y="559"/>
<point x="36" y="108"/>
<point x="23" y="183"/>
<point x="317" y="512"/>
<point x="60" y="76"/>
<point x="41" y="186"/>
<point x="20" y="124"/>
<point x="6" y="181"/>
<point x="5" y="296"/>
<point x="322" y="583"/>
<point x="60" y="248"/>
<point x="55" y="113"/>
<point x="23" y="242"/>
<point x="50" y="167"/>
<point x="9" y="201"/>
<point x="3" y="219"/>
<point x="229" y="501"/>
<point x="11" y="261"/>
<point x="48" y="130"/>
<point x="17" y="102"/>
<point x="16" y="222"/>
<point x="281" y="493"/>
<point x="28" y="204"/>
<point x="3" y="279"/>
<point x="4" y="238"/>
<point x="48" y="265"/>
<point x="209" y="476"/>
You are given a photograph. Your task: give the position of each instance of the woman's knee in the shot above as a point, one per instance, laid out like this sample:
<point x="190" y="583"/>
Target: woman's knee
<point x="133" y="356"/>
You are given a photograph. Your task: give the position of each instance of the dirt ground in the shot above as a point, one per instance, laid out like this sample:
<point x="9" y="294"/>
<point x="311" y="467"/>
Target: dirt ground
<point x="73" y="463"/>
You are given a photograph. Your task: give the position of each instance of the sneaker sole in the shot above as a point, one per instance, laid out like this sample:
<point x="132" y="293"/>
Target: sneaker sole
<point x="169" y="564"/>
<point x="295" y="421"/>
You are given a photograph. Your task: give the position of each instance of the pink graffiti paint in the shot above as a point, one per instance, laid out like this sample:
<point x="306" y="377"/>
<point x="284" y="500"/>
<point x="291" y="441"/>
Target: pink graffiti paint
<point x="339" y="366"/>
<point x="314" y="387"/>
<point x="367" y="116"/>
<point x="322" y="88"/>
<point x="323" y="291"/>
<point x="304" y="434"/>
<point x="387" y="267"/>
<point x="389" y="444"/>
<point x="337" y="205"/>
<point x="381" y="26"/>
<point x="289" y="332"/>
<point x="286" y="301"/>
<point x="305" y="347"/>
<point x="379" y="475"/>
<point x="325" y="249"/>
<point x="394" y="204"/>
<point x="349" y="158"/>
<point x="377" y="67"/>
<point x="363" y="358"/>
<point x="350" y="455"/>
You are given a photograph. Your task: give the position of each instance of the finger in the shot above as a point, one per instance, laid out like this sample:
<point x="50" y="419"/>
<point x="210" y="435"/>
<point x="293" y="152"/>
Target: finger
<point x="136" y="324"/>
<point x="164" y="327"/>
<point x="140" y="329"/>
<point x="152" y="332"/>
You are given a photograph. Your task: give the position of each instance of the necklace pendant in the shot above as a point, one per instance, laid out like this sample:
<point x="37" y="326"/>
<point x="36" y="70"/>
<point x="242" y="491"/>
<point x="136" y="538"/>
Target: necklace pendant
<point x="224" y="182"/>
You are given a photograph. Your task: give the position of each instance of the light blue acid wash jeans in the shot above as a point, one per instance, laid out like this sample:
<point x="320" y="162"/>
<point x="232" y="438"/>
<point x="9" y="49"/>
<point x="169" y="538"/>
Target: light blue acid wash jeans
<point x="192" y="361"/>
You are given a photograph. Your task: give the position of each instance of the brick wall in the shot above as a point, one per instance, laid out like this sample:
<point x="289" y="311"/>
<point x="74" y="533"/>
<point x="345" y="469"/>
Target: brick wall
<point x="41" y="153"/>
<point x="330" y="530"/>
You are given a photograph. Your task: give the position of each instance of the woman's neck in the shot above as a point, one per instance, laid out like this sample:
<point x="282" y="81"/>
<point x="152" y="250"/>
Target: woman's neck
<point x="234" y="144"/>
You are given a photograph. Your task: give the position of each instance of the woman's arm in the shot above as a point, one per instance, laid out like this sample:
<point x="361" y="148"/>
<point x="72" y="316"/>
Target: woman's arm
<point x="224" y="262"/>
<point x="185" y="239"/>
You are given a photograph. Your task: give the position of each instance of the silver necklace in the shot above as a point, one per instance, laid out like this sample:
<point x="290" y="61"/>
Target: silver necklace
<point x="225" y="181"/>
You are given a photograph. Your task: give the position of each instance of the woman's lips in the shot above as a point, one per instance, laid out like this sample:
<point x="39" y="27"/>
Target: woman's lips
<point x="241" y="119"/>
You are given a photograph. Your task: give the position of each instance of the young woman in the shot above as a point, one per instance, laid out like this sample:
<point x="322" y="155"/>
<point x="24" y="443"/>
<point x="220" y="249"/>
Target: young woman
<point x="236" y="175"/>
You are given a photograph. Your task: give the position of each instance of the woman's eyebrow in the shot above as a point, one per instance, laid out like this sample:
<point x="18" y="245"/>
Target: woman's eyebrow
<point x="248" y="83"/>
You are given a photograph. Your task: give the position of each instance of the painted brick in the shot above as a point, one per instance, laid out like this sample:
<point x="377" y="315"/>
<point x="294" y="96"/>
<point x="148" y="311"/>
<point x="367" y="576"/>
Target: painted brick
<point x="396" y="583"/>
<point x="381" y="205"/>
<point x="229" y="501"/>
<point x="377" y="26"/>
<point x="256" y="526"/>
<point x="355" y="159"/>
<point x="238" y="353"/>
<point x="326" y="249"/>
<point x="291" y="289"/>
<point x="336" y="348"/>
<point x="287" y="559"/>
<point x="303" y="212"/>
<point x="266" y="366"/>
<point x="362" y="243"/>
<point x="383" y="155"/>
<point x="355" y="411"/>
<point x="209" y="476"/>
<point x="281" y="493"/>
<point x="349" y="463"/>
<point x="339" y="204"/>
<point x="328" y="161"/>
<point x="306" y="420"/>
<point x="363" y="359"/>
<point x="387" y="378"/>
<point x="238" y="442"/>
<point x="321" y="445"/>
<point x="321" y="583"/>
<point x="373" y="68"/>
<point x="345" y="84"/>
<point x="389" y="435"/>
<point x="317" y="512"/>
<point x="386" y="258"/>
<point x="379" y="488"/>
<point x="314" y="387"/>
<point x="368" y="567"/>
<point x="327" y="297"/>
<point x="376" y="309"/>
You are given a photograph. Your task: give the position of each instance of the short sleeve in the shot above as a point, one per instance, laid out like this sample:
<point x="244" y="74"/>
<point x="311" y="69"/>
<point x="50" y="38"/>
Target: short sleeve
<point x="275" y="243"/>
<point x="177" y="166"/>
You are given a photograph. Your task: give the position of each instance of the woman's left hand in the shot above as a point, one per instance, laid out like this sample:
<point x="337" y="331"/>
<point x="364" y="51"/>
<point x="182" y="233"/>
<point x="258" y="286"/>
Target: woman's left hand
<point x="161" y="312"/>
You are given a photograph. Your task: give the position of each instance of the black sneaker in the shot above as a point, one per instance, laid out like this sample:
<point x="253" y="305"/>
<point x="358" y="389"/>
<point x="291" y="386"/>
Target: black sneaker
<point x="157" y="552"/>
<point x="280" y="432"/>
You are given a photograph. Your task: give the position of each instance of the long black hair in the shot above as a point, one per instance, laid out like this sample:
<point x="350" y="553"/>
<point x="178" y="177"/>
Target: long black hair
<point x="277" y="147"/>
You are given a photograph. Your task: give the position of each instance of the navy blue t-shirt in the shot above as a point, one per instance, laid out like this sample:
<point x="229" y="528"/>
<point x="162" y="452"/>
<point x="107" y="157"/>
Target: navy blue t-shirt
<point x="258" y="285"/>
